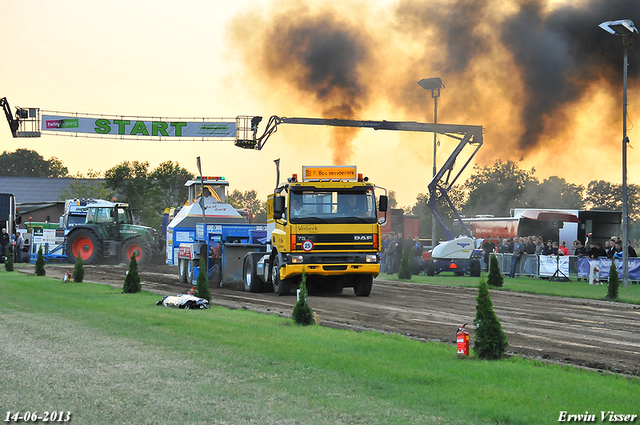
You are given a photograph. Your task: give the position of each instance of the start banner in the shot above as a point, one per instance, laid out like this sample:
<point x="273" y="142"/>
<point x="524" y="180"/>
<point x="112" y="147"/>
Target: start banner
<point x="137" y="128"/>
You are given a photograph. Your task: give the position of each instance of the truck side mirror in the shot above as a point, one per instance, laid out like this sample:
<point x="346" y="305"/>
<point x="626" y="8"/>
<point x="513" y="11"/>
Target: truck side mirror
<point x="383" y="203"/>
<point x="278" y="207"/>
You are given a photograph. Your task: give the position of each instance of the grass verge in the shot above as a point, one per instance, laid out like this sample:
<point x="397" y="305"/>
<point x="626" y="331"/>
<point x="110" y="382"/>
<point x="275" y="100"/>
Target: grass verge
<point x="109" y="357"/>
<point x="573" y="289"/>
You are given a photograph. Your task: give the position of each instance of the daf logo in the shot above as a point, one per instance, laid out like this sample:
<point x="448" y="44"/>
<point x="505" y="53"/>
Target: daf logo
<point x="362" y="238"/>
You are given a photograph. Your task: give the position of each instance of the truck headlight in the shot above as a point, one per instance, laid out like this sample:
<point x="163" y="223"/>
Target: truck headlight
<point x="371" y="258"/>
<point x="296" y="259"/>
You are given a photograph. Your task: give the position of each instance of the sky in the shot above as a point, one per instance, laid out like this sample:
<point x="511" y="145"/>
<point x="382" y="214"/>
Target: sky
<point x="540" y="77"/>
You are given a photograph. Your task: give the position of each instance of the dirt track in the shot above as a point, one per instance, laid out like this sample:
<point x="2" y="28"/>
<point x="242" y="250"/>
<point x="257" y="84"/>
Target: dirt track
<point x="595" y="334"/>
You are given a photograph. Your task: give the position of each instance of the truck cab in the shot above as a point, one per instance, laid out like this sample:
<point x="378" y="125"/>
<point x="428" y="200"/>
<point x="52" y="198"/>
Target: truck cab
<point x="327" y="225"/>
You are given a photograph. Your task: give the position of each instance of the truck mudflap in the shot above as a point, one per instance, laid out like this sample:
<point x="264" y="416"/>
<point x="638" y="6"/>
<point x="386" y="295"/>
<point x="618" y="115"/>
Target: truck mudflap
<point x="233" y="254"/>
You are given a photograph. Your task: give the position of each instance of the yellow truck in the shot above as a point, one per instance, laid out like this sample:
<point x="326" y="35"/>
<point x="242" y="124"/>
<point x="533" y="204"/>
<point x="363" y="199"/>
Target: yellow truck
<point x="325" y="223"/>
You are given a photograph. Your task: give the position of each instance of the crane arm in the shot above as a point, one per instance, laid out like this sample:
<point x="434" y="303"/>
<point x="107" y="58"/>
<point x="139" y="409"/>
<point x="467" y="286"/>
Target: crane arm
<point x="14" y="123"/>
<point x="438" y="188"/>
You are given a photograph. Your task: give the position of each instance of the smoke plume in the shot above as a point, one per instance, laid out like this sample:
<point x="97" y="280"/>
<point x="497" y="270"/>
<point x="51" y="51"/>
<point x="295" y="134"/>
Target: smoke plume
<point x="528" y="71"/>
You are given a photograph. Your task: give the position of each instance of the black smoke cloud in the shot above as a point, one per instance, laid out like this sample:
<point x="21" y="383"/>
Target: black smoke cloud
<point x="552" y="53"/>
<point x="561" y="54"/>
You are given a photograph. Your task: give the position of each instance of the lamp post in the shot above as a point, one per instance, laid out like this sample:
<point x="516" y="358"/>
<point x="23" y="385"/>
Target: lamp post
<point x="433" y="84"/>
<point x="624" y="28"/>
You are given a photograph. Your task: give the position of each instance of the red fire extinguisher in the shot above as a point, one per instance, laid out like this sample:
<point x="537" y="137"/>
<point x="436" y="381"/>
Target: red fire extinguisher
<point x="463" y="340"/>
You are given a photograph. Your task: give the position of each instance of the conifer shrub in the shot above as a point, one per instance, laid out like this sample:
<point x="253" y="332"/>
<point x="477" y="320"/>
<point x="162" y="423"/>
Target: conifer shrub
<point x="495" y="277"/>
<point x="132" y="280"/>
<point x="202" y="283"/>
<point x="78" y="270"/>
<point x="302" y="312"/>
<point x="614" y="282"/>
<point x="8" y="260"/>
<point x="404" y="272"/>
<point x="40" y="271"/>
<point x="490" y="341"/>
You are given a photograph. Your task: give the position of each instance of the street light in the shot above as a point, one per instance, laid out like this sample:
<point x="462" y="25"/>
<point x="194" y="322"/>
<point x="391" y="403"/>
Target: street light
<point x="433" y="84"/>
<point x="624" y="28"/>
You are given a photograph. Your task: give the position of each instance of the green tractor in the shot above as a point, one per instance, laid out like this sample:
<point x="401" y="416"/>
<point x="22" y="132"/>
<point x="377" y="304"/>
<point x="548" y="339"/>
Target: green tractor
<point x="109" y="235"/>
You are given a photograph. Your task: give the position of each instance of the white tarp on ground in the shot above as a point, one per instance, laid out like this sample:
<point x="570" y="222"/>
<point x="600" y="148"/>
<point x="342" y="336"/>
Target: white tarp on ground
<point x="185" y="301"/>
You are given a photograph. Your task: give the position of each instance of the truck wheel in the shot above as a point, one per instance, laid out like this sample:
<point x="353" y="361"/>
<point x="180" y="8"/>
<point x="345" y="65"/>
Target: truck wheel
<point x="183" y="265"/>
<point x="136" y="246"/>
<point x="475" y="268"/>
<point x="430" y="268"/>
<point x="252" y="282"/>
<point x="84" y="243"/>
<point x="363" y="285"/>
<point x="280" y="286"/>
<point x="190" y="266"/>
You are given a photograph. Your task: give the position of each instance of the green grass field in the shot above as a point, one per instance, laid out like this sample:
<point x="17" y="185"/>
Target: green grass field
<point x="109" y="357"/>
<point x="574" y="289"/>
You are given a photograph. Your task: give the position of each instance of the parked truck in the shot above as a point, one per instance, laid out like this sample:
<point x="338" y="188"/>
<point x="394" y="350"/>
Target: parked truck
<point x="7" y="216"/>
<point x="325" y="224"/>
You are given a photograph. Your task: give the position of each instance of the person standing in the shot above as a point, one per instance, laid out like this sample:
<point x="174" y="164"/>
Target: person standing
<point x="518" y="250"/>
<point x="17" y="249"/>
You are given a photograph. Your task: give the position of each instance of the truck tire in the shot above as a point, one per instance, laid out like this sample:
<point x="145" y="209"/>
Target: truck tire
<point x="252" y="283"/>
<point x="363" y="285"/>
<point x="280" y="286"/>
<point x="190" y="266"/>
<point x="84" y="243"/>
<point x="183" y="265"/>
<point x="138" y="246"/>
<point x="475" y="269"/>
<point x="429" y="268"/>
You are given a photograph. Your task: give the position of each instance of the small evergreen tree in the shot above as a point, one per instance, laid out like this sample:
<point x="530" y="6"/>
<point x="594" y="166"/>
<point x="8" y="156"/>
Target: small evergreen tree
<point x="8" y="260"/>
<point x="404" y="272"/>
<point x="132" y="280"/>
<point x="490" y="342"/>
<point x="40" y="271"/>
<point x="302" y="312"/>
<point x="495" y="277"/>
<point x="202" y="283"/>
<point x="78" y="270"/>
<point x="614" y="282"/>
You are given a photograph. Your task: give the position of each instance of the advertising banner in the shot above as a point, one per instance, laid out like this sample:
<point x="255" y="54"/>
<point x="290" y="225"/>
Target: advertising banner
<point x="136" y="128"/>
<point x="604" y="265"/>
<point x="550" y="263"/>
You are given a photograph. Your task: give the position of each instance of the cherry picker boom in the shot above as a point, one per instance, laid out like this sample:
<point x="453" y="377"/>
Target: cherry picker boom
<point x="457" y="254"/>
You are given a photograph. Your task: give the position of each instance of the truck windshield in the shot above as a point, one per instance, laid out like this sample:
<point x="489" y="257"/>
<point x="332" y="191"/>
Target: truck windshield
<point x="332" y="207"/>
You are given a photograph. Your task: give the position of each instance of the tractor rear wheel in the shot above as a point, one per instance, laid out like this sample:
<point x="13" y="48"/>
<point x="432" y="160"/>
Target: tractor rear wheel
<point x="136" y="246"/>
<point x="84" y="243"/>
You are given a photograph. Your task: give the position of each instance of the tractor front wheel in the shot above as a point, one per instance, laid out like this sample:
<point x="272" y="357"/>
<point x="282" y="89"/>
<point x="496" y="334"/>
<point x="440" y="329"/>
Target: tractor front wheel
<point x="136" y="246"/>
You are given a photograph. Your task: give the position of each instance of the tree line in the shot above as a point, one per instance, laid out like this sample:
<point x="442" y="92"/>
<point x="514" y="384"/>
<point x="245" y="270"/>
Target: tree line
<point x="491" y="190"/>
<point x="148" y="191"/>
<point x="496" y="189"/>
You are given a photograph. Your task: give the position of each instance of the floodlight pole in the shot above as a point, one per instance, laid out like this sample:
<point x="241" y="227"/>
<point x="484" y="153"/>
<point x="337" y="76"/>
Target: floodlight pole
<point x="433" y="84"/>
<point x="625" y="205"/>
<point x="624" y="28"/>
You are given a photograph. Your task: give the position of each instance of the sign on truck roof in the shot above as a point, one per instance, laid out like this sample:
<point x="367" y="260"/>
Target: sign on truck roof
<point x="336" y="172"/>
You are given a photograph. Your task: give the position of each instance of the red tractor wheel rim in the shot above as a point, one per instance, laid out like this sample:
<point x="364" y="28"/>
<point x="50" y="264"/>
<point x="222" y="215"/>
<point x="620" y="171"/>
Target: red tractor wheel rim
<point x="82" y="247"/>
<point x="134" y="249"/>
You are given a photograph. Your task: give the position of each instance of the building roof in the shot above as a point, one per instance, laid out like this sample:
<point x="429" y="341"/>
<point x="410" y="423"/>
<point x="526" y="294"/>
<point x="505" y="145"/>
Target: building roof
<point x="34" y="190"/>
